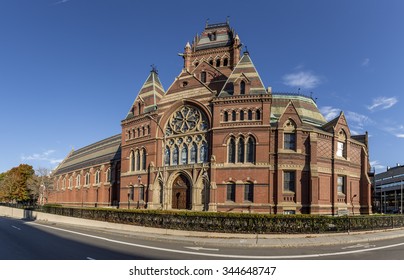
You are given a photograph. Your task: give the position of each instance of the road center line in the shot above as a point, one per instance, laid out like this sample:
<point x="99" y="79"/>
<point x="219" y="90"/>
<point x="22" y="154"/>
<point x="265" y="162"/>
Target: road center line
<point x="221" y="255"/>
<point x="16" y="227"/>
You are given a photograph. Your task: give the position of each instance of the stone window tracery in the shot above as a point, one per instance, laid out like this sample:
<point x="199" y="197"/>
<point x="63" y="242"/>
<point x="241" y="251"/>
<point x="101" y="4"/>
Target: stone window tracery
<point x="241" y="150"/>
<point x="186" y="137"/>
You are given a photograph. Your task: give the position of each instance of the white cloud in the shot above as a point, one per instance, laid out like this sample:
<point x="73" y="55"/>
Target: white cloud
<point x="357" y="119"/>
<point x="60" y="2"/>
<point x="382" y="103"/>
<point x="302" y="79"/>
<point x="376" y="164"/>
<point x="366" y="62"/>
<point x="329" y="112"/>
<point x="44" y="156"/>
<point x="395" y="130"/>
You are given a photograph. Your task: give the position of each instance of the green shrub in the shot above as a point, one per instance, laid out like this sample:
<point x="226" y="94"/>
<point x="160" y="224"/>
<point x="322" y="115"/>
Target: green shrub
<point x="231" y="222"/>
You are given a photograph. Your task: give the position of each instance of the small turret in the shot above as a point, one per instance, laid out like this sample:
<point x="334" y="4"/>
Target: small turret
<point x="187" y="56"/>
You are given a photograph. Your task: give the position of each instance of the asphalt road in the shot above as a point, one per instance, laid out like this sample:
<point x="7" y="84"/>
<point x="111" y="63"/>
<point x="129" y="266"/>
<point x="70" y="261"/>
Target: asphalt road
<point x="27" y="240"/>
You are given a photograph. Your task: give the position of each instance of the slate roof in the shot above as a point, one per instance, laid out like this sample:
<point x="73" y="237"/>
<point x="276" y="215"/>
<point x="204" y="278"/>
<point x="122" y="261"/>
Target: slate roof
<point x="244" y="69"/>
<point x="223" y="36"/>
<point x="149" y="94"/>
<point x="104" y="151"/>
<point x="305" y="106"/>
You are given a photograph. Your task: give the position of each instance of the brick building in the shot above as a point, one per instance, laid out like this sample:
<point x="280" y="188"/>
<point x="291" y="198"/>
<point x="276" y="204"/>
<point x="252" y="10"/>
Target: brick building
<point x="218" y="140"/>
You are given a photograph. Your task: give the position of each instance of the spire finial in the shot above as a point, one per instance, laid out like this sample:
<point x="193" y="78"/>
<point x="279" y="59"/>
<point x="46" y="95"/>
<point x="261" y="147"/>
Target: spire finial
<point x="228" y="20"/>
<point x="207" y="22"/>
<point x="154" y="68"/>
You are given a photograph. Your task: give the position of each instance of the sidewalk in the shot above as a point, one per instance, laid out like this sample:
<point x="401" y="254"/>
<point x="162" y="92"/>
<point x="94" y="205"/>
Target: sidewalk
<point x="236" y="240"/>
<point x="210" y="238"/>
<point x="259" y="240"/>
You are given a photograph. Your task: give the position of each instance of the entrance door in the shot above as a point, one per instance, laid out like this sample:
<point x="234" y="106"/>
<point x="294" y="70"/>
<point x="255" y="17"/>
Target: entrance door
<point x="181" y="193"/>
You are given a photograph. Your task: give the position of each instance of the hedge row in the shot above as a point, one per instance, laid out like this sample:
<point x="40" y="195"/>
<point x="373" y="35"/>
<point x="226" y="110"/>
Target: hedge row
<point x="232" y="222"/>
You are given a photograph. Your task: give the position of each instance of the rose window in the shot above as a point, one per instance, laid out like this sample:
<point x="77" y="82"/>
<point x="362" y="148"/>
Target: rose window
<point x="186" y="119"/>
<point x="187" y="142"/>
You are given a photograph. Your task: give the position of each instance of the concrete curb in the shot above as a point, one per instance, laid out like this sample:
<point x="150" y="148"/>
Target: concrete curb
<point x="209" y="238"/>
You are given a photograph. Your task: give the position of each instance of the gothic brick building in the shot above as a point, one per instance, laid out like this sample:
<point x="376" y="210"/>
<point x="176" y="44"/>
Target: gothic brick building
<point x="218" y="140"/>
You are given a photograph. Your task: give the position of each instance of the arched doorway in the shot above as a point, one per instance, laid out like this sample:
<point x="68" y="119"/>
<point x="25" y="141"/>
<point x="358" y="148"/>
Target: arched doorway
<point x="181" y="196"/>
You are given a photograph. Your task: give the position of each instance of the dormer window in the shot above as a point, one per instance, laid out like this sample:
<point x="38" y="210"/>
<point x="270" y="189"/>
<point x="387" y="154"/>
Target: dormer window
<point x="341" y="150"/>
<point x="225" y="62"/>
<point x="212" y="36"/>
<point x="242" y="87"/>
<point x="203" y="77"/>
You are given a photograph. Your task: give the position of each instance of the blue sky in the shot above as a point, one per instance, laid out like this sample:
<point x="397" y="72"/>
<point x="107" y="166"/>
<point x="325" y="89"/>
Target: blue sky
<point x="70" y="69"/>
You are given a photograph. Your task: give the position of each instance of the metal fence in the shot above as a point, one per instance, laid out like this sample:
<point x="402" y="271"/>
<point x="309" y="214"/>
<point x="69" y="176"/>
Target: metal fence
<point x="229" y="222"/>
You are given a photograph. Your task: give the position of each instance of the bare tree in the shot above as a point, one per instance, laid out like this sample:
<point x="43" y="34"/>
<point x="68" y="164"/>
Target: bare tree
<point x="41" y="185"/>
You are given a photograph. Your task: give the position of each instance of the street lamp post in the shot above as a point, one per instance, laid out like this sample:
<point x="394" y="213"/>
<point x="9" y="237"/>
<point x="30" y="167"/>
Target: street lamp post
<point x="401" y="197"/>
<point x="139" y="179"/>
<point x="163" y="161"/>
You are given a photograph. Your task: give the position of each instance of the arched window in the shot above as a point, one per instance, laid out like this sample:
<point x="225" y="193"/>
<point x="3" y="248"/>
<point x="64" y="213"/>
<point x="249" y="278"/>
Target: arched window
<point x="87" y="179"/>
<point x="186" y="133"/>
<point x="108" y="174"/>
<point x="225" y="61"/>
<point x="241" y="115"/>
<point x="144" y="159"/>
<point x="249" y="115"/>
<point x="211" y="62"/>
<point x="231" y="192"/>
<point x="78" y="180"/>
<point x="240" y="150"/>
<point x="231" y="151"/>
<point x="97" y="177"/>
<point x="131" y="193"/>
<point x="248" y="192"/>
<point x="132" y="161"/>
<point x="242" y="87"/>
<point x="141" y="193"/>
<point x="184" y="155"/>
<point x="258" y="115"/>
<point x="137" y="156"/>
<point x="226" y="116"/>
<point x="289" y="135"/>
<point x="167" y="156"/>
<point x="251" y="150"/>
<point x="341" y="144"/>
<point x="233" y="116"/>
<point x="138" y="108"/>
<point x="175" y="155"/>
<point x="217" y="62"/>
<point x="194" y="151"/>
<point x="204" y="152"/>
